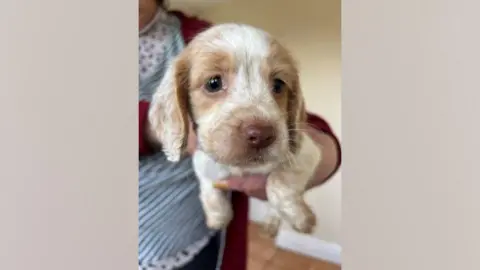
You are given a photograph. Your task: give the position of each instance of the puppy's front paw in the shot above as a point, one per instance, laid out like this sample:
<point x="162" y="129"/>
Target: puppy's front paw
<point x="219" y="220"/>
<point x="304" y="221"/>
<point x="271" y="226"/>
<point x="218" y="210"/>
<point x="172" y="156"/>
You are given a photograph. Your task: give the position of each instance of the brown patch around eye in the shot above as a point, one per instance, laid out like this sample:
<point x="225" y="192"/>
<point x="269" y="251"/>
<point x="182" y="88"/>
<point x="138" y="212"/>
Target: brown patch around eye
<point x="210" y="76"/>
<point x="182" y="95"/>
<point x="210" y="64"/>
<point x="281" y="65"/>
<point x="280" y="70"/>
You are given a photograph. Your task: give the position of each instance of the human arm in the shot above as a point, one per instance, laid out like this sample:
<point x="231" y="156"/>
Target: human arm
<point x="321" y="133"/>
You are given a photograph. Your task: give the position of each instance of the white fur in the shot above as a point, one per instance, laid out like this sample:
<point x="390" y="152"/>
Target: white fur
<point x="286" y="185"/>
<point x="250" y="46"/>
<point x="288" y="173"/>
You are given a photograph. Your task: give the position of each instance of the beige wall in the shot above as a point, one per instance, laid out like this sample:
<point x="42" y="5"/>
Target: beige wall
<point x="311" y="29"/>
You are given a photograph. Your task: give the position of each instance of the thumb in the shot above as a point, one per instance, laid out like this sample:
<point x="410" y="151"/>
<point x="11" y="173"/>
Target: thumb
<point x="233" y="183"/>
<point x="243" y="183"/>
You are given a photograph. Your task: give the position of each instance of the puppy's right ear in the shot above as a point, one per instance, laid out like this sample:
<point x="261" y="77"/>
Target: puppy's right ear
<point x="168" y="115"/>
<point x="297" y="115"/>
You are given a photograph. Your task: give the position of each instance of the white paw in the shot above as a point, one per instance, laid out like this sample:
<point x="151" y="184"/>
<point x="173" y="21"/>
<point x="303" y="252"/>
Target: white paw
<point x="271" y="226"/>
<point x="219" y="220"/>
<point x="218" y="210"/>
<point x="304" y="221"/>
<point x="172" y="156"/>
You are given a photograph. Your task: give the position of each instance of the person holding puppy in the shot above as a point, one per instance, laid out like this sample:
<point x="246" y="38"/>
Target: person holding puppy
<point x="172" y="229"/>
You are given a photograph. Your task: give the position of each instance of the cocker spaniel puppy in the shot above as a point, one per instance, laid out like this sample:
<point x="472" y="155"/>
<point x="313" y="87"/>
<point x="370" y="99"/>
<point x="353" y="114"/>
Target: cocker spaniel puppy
<point x="240" y="88"/>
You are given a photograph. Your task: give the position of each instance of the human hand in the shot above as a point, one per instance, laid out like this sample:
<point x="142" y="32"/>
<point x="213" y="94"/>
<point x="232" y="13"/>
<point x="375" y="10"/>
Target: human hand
<point x="192" y="139"/>
<point x="252" y="185"/>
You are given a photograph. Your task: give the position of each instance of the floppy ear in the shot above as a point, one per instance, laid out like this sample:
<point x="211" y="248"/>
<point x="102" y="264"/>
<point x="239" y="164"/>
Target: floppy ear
<point x="168" y="115"/>
<point x="297" y="116"/>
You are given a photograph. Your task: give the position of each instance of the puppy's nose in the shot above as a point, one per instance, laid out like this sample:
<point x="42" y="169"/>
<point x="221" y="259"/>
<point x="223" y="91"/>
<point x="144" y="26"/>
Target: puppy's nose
<point x="259" y="135"/>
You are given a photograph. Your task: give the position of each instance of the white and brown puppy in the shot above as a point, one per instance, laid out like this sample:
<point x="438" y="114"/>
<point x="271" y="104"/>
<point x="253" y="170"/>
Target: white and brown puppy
<point x="240" y="87"/>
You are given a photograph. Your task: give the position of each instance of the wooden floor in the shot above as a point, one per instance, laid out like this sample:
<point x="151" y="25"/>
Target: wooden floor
<point x="263" y="255"/>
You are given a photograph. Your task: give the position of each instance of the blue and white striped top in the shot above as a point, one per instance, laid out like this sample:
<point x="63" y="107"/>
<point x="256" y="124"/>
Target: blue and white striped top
<point x="171" y="221"/>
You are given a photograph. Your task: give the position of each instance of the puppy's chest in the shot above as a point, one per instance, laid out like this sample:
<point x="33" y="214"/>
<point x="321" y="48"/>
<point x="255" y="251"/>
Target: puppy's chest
<point x="264" y="169"/>
<point x="208" y="168"/>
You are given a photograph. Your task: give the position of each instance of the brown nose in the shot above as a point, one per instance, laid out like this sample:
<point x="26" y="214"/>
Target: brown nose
<point x="259" y="135"/>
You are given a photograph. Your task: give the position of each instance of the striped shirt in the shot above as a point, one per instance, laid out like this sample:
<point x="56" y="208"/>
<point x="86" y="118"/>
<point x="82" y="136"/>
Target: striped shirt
<point x="171" y="221"/>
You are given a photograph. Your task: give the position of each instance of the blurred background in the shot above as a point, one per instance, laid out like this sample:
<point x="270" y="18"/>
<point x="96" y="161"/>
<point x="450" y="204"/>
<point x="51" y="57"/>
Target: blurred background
<point x="311" y="29"/>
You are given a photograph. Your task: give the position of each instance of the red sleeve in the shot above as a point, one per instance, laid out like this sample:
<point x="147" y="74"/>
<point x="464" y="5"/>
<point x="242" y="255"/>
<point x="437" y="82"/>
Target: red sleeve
<point x="142" y="119"/>
<point x="190" y="26"/>
<point x="321" y="125"/>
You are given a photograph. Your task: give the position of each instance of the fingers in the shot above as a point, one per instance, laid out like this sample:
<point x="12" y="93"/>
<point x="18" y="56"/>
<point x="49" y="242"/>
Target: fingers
<point x="223" y="185"/>
<point x="192" y="139"/>
<point x="251" y="185"/>
<point x="241" y="183"/>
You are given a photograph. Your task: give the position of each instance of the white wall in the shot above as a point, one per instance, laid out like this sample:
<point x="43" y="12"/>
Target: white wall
<point x="311" y="29"/>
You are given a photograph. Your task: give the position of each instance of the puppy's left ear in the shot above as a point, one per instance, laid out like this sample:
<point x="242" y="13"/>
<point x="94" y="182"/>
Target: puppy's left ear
<point x="297" y="115"/>
<point x="168" y="115"/>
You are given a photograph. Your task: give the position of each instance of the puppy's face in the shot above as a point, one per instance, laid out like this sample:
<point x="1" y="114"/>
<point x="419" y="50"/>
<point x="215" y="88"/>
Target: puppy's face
<point x="241" y="89"/>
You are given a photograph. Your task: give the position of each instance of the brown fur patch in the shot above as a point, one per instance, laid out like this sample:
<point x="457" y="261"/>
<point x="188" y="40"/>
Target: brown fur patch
<point x="193" y="68"/>
<point x="280" y="64"/>
<point x="181" y="85"/>
<point x="206" y="66"/>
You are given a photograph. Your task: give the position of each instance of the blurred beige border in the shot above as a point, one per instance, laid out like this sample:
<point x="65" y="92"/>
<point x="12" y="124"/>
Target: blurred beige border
<point x="410" y="135"/>
<point x="68" y="150"/>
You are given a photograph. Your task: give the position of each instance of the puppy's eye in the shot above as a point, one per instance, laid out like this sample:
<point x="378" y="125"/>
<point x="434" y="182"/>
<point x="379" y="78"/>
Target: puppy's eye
<point x="214" y="84"/>
<point x="278" y="86"/>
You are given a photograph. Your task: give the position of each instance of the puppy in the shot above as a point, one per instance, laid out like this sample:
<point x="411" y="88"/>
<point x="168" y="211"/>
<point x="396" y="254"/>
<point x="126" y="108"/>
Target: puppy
<point x="240" y="88"/>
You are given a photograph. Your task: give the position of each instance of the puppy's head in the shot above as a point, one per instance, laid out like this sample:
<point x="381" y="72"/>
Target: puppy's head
<point x="241" y="89"/>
